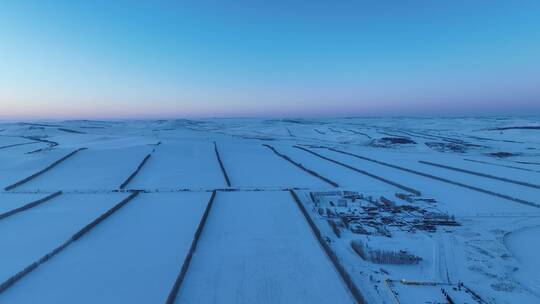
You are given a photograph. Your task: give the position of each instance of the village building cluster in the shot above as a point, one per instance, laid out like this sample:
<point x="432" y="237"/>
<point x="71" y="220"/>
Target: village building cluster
<point x="370" y="215"/>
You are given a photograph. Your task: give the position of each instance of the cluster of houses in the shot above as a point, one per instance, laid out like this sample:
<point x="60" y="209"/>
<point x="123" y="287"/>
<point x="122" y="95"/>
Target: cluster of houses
<point x="378" y="215"/>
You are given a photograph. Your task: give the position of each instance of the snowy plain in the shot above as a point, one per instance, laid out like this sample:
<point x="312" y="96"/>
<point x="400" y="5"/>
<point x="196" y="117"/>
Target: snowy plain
<point x="253" y="243"/>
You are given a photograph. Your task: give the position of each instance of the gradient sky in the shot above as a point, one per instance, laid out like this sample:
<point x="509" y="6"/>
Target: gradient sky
<point x="146" y="59"/>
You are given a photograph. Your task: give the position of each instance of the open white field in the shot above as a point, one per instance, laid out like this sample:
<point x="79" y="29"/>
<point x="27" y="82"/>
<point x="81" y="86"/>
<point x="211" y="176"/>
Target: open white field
<point x="16" y="164"/>
<point x="526" y="252"/>
<point x="343" y="176"/>
<point x="252" y="165"/>
<point x="181" y="164"/>
<point x="31" y="234"/>
<point x="91" y="169"/>
<point x="257" y="248"/>
<point x="132" y="257"/>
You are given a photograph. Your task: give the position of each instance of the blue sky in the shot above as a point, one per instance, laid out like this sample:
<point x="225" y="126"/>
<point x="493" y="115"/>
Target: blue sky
<point x="145" y="59"/>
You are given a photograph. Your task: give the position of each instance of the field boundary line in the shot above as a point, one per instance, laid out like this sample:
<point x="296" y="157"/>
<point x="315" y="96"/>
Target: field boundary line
<point x="21" y="274"/>
<point x="20" y="144"/>
<point x="30" y="205"/>
<point x="504" y="179"/>
<point x="384" y="180"/>
<point x="507" y="197"/>
<point x="222" y="166"/>
<point x="299" y="165"/>
<point x="71" y="131"/>
<point x="500" y="165"/>
<point x="134" y="173"/>
<point x="351" y="285"/>
<point x="187" y="260"/>
<point x="359" y="133"/>
<point x="49" y="167"/>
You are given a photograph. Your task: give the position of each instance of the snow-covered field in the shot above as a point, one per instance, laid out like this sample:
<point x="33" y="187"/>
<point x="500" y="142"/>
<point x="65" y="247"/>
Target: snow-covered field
<point x="181" y="164"/>
<point x="133" y="257"/>
<point x="29" y="235"/>
<point x="118" y="211"/>
<point x="257" y="248"/>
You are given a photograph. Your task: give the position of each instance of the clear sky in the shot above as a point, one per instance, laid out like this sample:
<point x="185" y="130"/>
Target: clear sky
<point x="147" y="59"/>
